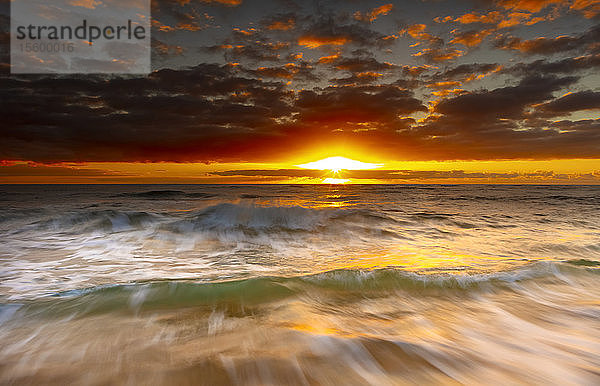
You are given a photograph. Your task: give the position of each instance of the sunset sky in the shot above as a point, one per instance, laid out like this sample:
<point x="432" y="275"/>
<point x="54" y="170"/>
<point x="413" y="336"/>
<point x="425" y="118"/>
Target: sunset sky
<point x="243" y="91"/>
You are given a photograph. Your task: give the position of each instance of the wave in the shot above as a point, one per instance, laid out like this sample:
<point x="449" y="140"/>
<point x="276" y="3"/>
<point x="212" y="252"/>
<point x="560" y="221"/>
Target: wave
<point x="246" y="221"/>
<point x="239" y="222"/>
<point x="94" y="221"/>
<point x="343" y="285"/>
<point x="226" y="222"/>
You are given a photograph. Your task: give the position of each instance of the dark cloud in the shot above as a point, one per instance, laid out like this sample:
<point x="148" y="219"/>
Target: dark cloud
<point x="498" y="122"/>
<point x="327" y="31"/>
<point x="256" y="82"/>
<point x="358" y="78"/>
<point x="280" y="22"/>
<point x="361" y="64"/>
<point x="372" y="15"/>
<point x="162" y="49"/>
<point x="464" y="72"/>
<point x="587" y="40"/>
<point x="339" y="105"/>
<point x="211" y="112"/>
<point x="583" y="100"/>
<point x="505" y="102"/>
<point x="257" y="51"/>
<point x="302" y="71"/>
<point x="38" y="170"/>
<point x="564" y="66"/>
<point x="438" y="55"/>
<point x="197" y="114"/>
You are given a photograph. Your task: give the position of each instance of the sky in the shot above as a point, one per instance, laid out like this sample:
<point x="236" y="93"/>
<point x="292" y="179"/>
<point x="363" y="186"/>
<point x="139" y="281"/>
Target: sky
<point x="243" y="91"/>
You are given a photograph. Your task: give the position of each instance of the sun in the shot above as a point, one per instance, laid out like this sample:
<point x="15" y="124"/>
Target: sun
<point x="335" y="164"/>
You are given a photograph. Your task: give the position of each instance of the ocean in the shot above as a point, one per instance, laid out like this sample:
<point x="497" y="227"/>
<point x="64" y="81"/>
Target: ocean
<point x="299" y="284"/>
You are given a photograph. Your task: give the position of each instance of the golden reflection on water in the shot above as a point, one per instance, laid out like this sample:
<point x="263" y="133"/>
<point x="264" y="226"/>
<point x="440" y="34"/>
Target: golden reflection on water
<point x="426" y="261"/>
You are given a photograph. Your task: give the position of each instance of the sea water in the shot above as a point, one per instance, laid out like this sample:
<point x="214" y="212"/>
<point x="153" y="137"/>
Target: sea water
<point x="299" y="284"/>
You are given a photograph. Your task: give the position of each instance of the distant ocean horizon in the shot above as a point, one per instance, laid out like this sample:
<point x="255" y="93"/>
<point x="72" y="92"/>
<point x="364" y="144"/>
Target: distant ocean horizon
<point x="299" y="284"/>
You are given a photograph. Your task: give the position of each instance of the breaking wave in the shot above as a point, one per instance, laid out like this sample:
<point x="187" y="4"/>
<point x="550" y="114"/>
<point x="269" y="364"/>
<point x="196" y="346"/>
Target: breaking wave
<point x="221" y="220"/>
<point x="341" y="284"/>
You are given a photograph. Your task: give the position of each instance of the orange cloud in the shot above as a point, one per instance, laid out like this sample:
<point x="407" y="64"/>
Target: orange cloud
<point x="589" y="8"/>
<point x="444" y="85"/>
<point x="90" y="4"/>
<point x="372" y="15"/>
<point x="470" y="38"/>
<point x="318" y="41"/>
<point x="230" y="3"/>
<point x="514" y="18"/>
<point x="416" y="70"/>
<point x="282" y="25"/>
<point x="189" y="27"/>
<point x="445" y="93"/>
<point x="473" y="17"/>
<point x="368" y="75"/>
<point x="439" y="55"/>
<point x="162" y="27"/>
<point x="541" y="45"/>
<point x="417" y="31"/>
<point x="329" y="59"/>
<point x="528" y="5"/>
<point x="248" y="32"/>
<point x="286" y="72"/>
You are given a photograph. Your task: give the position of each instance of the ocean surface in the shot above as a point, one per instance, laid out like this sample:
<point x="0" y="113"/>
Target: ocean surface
<point x="299" y="284"/>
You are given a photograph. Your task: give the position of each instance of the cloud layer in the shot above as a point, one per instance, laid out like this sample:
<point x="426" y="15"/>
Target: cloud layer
<point x="427" y="81"/>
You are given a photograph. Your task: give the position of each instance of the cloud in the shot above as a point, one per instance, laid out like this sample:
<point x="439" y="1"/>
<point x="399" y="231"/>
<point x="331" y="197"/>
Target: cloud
<point x="587" y="40"/>
<point x="583" y="100"/>
<point x="356" y="64"/>
<point x="255" y="50"/>
<point x="373" y="14"/>
<point x="327" y="31"/>
<point x="286" y="71"/>
<point x="466" y="72"/>
<point x="163" y="49"/>
<point x="358" y="78"/>
<point x="20" y="169"/>
<point x="589" y="8"/>
<point x="415" y="175"/>
<point x="226" y="113"/>
<point x="289" y="77"/>
<point x="471" y="38"/>
<point x="314" y="41"/>
<point x="436" y="51"/>
<point x="528" y="5"/>
<point x="436" y="55"/>
<point x="417" y="31"/>
<point x="498" y="122"/>
<point x="564" y="66"/>
<point x="492" y="17"/>
<point x="280" y="22"/>
<point x="229" y="3"/>
<point x="90" y="4"/>
<point x="505" y="102"/>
